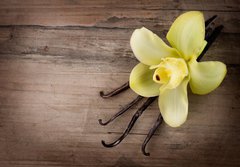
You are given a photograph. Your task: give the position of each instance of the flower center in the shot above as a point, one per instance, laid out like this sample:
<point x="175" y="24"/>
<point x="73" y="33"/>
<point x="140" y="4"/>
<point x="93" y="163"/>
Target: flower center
<point x="170" y="72"/>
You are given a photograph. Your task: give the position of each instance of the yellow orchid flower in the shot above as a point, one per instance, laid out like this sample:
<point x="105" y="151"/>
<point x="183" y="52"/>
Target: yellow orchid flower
<point x="166" y="71"/>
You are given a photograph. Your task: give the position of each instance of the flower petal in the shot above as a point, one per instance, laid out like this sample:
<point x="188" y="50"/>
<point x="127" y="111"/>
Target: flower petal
<point x="206" y="76"/>
<point x="173" y="104"/>
<point x="141" y="81"/>
<point x="149" y="48"/>
<point x="187" y="34"/>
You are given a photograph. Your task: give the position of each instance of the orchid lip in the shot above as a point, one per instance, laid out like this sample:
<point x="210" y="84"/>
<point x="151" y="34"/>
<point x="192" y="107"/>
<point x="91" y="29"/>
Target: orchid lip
<point x="166" y="75"/>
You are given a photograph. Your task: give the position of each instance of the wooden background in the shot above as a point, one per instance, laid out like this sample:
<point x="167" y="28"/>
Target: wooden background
<point x="55" y="57"/>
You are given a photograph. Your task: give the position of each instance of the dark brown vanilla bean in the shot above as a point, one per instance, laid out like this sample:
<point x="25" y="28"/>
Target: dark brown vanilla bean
<point x="116" y="91"/>
<point x="209" y="27"/>
<point x="131" y="123"/>
<point x="210" y="39"/>
<point x="123" y="110"/>
<point x="210" y="20"/>
<point x="151" y="133"/>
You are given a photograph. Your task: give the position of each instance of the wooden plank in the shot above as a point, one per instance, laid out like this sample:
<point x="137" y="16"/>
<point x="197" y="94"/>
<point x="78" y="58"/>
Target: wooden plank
<point x="110" y="14"/>
<point x="214" y="5"/>
<point x="55" y="57"/>
<point x="96" y="44"/>
<point x="49" y="114"/>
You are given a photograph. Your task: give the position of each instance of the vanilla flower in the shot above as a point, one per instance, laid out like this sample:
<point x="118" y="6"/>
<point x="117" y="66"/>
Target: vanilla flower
<point x="166" y="71"/>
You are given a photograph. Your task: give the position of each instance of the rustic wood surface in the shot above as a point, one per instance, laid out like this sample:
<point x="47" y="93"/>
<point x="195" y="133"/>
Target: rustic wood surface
<point x="55" y="57"/>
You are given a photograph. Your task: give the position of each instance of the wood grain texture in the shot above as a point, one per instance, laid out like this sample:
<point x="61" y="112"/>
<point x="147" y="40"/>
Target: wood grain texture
<point x="113" y="14"/>
<point x="55" y="57"/>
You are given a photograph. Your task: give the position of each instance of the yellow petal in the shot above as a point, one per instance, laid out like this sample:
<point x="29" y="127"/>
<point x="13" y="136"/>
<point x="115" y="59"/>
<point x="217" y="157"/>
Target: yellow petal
<point x="173" y="104"/>
<point x="206" y="76"/>
<point x="187" y="34"/>
<point x="141" y="81"/>
<point x="149" y="48"/>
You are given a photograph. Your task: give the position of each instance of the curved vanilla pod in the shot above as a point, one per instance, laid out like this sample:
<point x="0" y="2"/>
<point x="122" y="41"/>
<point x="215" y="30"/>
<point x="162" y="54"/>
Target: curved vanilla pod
<point x="122" y="111"/>
<point x="151" y="133"/>
<point x="115" y="91"/>
<point x="131" y="123"/>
